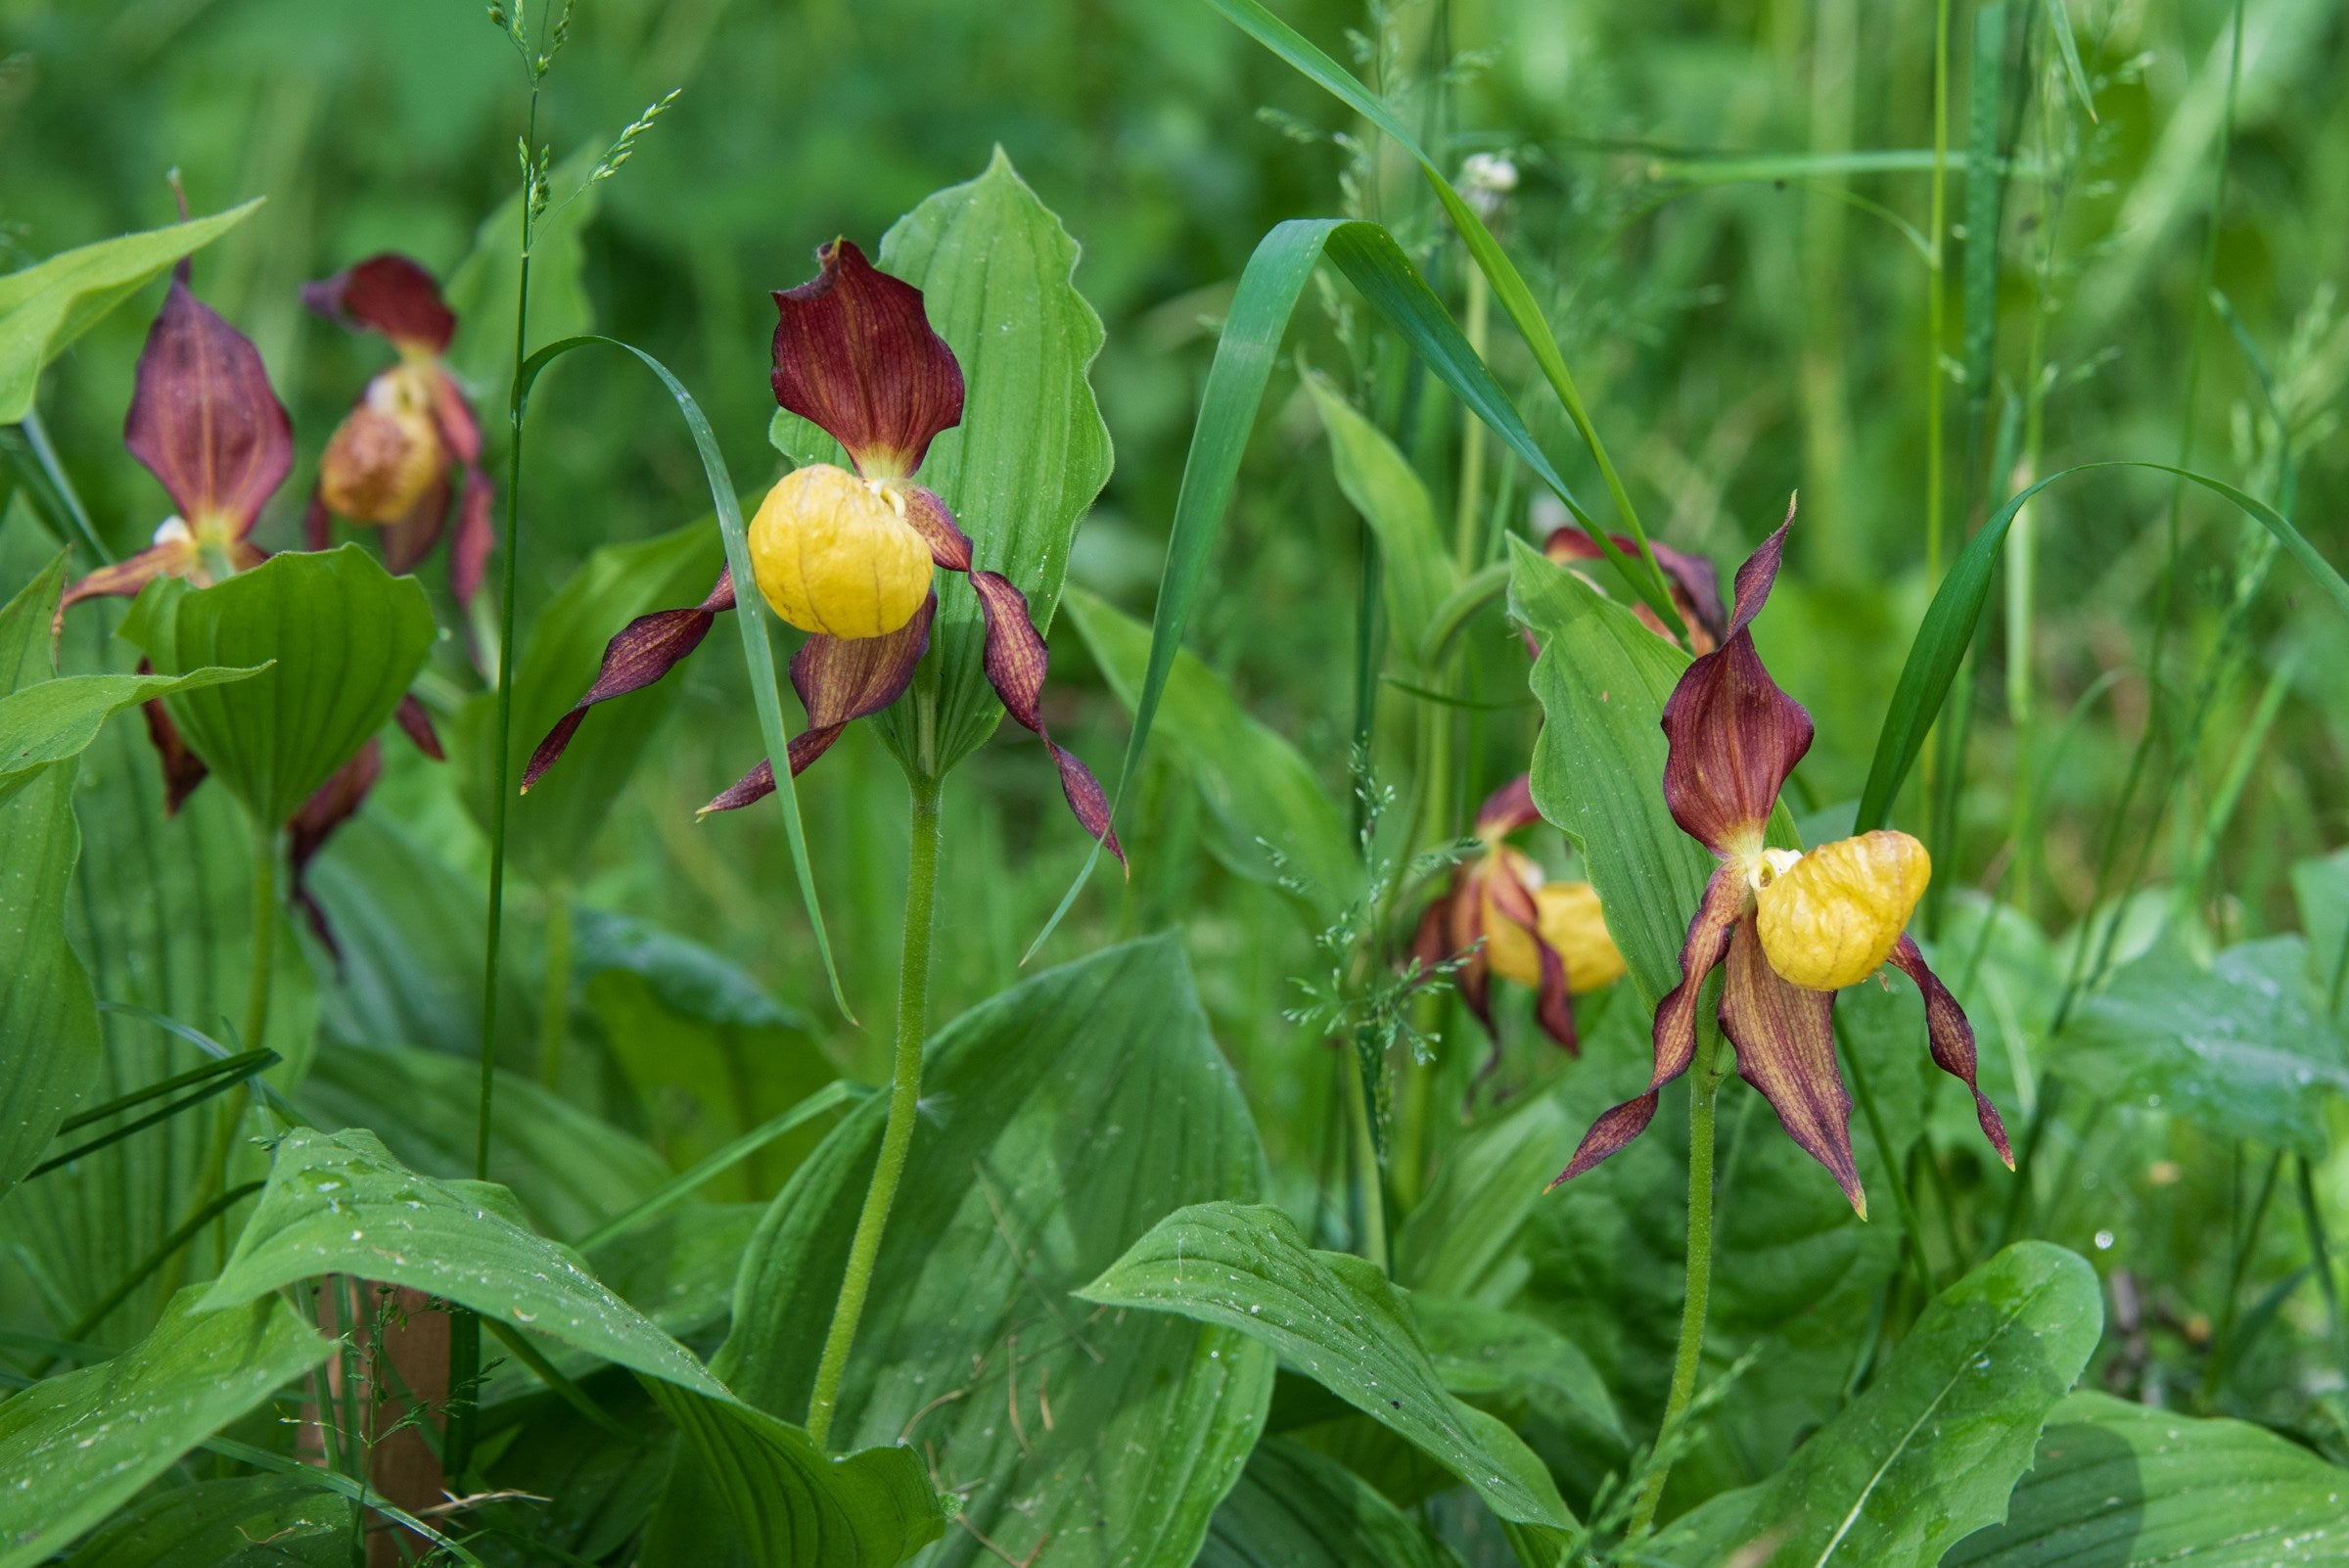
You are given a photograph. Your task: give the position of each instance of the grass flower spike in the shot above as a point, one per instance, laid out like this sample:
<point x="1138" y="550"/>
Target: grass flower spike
<point x="1790" y="928"/>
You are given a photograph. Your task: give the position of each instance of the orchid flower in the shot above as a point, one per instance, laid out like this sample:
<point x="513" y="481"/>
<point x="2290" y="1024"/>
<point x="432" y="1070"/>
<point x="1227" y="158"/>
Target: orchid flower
<point x="1696" y="585"/>
<point x="1792" y="928"/>
<point x="388" y="463"/>
<point x="849" y="556"/>
<point x="1511" y="921"/>
<point x="205" y="422"/>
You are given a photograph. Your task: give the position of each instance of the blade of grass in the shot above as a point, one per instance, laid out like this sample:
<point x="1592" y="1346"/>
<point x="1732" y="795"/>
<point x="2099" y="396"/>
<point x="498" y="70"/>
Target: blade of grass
<point x="1955" y="614"/>
<point x="341" y="1486"/>
<point x="750" y="615"/>
<point x="2059" y="22"/>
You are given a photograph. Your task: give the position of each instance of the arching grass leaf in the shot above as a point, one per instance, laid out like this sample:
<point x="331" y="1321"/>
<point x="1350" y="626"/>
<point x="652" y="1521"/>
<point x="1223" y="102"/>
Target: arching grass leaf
<point x="1416" y="568"/>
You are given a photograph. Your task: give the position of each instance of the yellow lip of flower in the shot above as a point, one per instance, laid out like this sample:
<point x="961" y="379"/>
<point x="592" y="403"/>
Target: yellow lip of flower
<point x="385" y="453"/>
<point x="1570" y="923"/>
<point x="833" y="553"/>
<point x="1831" y="919"/>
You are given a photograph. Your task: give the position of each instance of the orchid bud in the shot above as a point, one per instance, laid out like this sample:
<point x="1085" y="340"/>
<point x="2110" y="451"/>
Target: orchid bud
<point x="833" y="553"/>
<point x="387" y="452"/>
<point x="1831" y="919"/>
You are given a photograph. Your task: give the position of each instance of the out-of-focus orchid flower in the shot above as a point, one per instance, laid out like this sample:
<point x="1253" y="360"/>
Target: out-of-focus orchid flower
<point x="205" y="422"/>
<point x="1547" y="936"/>
<point x="849" y="556"/>
<point x="388" y="464"/>
<point x="1792" y="928"/>
<point x="1696" y="585"/>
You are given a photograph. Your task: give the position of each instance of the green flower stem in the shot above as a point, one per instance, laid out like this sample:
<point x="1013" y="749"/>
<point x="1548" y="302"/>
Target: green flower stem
<point x="1368" y="1194"/>
<point x="554" y="1009"/>
<point x="904" y="1098"/>
<point x="1704" y="1088"/>
<point x="265" y="940"/>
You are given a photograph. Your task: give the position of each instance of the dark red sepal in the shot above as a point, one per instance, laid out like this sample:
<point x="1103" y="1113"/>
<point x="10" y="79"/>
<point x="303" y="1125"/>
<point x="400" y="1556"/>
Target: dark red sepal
<point x="407" y="541"/>
<point x="1507" y="808"/>
<point x="1696" y="583"/>
<point x="855" y="355"/>
<point x="840" y="680"/>
<point x="1554" y="1003"/>
<point x="950" y="547"/>
<point x="386" y="294"/>
<point x="1735" y="736"/>
<point x="1785" y="1039"/>
<point x="204" y="419"/>
<point x="417" y="724"/>
<point x="644" y="650"/>
<point x="468" y="551"/>
<point x="335" y="803"/>
<point x="183" y="769"/>
<point x="1016" y="663"/>
<point x="1952" y="1041"/>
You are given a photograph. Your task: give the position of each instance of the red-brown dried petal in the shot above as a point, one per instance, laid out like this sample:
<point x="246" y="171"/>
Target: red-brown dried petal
<point x="1695" y="583"/>
<point x="1553" y="1006"/>
<point x="646" y="649"/>
<point x="417" y="724"/>
<point x="333" y="804"/>
<point x="1785" y="1039"/>
<point x="183" y="769"/>
<point x="1952" y="1041"/>
<point x="856" y="355"/>
<point x="469" y="549"/>
<point x="204" y="418"/>
<point x="1016" y="664"/>
<point x="1507" y="808"/>
<point x="950" y="547"/>
<point x="1718" y="915"/>
<point x="1735" y="736"/>
<point x="386" y="294"/>
<point x="123" y="579"/>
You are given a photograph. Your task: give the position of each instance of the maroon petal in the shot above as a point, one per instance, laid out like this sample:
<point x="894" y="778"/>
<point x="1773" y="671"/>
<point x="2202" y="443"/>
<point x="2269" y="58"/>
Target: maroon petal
<point x="183" y="769"/>
<point x="335" y="801"/>
<point x="1507" y="808"/>
<point x="417" y="724"/>
<point x="203" y="420"/>
<point x="646" y="649"/>
<point x="453" y="412"/>
<point x="1952" y="1041"/>
<point x="856" y="355"/>
<point x="1016" y="662"/>
<point x="122" y="580"/>
<point x="317" y="522"/>
<point x="1553" y="1007"/>
<point x="386" y="294"/>
<point x="1720" y="915"/>
<point x="1785" y="1039"/>
<point x="1696" y="583"/>
<point x="950" y="547"/>
<point x="1735" y="736"/>
<point x="840" y="680"/>
<point x="469" y="552"/>
<point x="407" y="541"/>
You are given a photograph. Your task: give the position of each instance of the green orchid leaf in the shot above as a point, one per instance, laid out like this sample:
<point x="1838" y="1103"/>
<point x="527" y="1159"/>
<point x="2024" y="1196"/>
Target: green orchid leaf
<point x="1416" y="568"/>
<point x="341" y="637"/>
<point x="1482" y="1352"/>
<point x="870" y="1509"/>
<point x="254" y="1521"/>
<point x="52" y="720"/>
<point x="1338" y="1319"/>
<point x="997" y="273"/>
<point x="77" y="1446"/>
<point x="45" y="306"/>
<point x="2123" y="1486"/>
<point x="49" y="1042"/>
<point x="1931" y="1450"/>
<point x="1295" y="1508"/>
<point x="1274" y="822"/>
<point x="1062" y="1118"/>
<point x="340" y="1203"/>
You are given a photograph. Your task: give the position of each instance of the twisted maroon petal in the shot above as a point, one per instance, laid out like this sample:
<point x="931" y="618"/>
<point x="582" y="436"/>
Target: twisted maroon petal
<point x="409" y="540"/>
<point x="204" y="419"/>
<point x="417" y="724"/>
<point x="950" y="547"/>
<point x="386" y="294"/>
<point x="1952" y="1041"/>
<point x="840" y="680"/>
<point x="1507" y="808"/>
<point x="183" y="769"/>
<point x="123" y="579"/>
<point x="1016" y="662"/>
<point x="1695" y="583"/>
<point x="646" y="649"/>
<point x="855" y="355"/>
<point x="317" y="522"/>
<point x="1734" y="735"/>
<point x="1720" y="915"/>
<point x="333" y="804"/>
<point x="468" y="551"/>
<point x="1553" y="1007"/>
<point x="1785" y="1039"/>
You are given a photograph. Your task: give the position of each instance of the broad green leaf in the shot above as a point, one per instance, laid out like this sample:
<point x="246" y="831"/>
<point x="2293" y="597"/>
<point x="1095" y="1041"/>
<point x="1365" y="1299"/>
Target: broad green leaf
<point x="598" y="1483"/>
<point x="73" y="1449"/>
<point x="342" y="638"/>
<point x="1482" y="1352"/>
<point x="1416" y="568"/>
<point x="45" y="306"/>
<point x="549" y="830"/>
<point x="51" y="720"/>
<point x="1060" y="1120"/>
<point x="256" y="1521"/>
<point x="2242" y="1049"/>
<point x="482" y="290"/>
<point x="1933" y="1447"/>
<point x="340" y="1203"/>
<point x="570" y="1172"/>
<point x="1294" y="1508"/>
<point x="1947" y="630"/>
<point x="49" y="1049"/>
<point x="2121" y="1486"/>
<point x="997" y="273"/>
<point x="869" y="1510"/>
<point x="678" y="1268"/>
<point x="1335" y="1317"/>
<point x="1464" y="1237"/>
<point x="1274" y="820"/>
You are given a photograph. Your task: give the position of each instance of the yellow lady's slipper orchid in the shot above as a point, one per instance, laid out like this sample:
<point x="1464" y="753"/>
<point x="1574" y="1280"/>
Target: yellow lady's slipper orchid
<point x="833" y="553"/>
